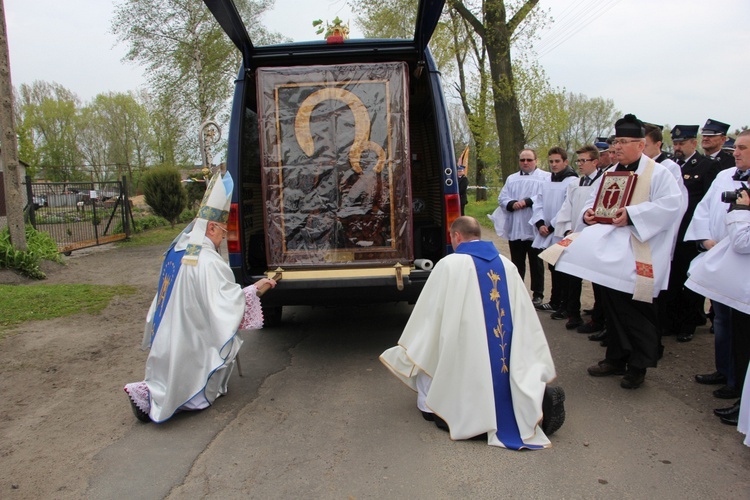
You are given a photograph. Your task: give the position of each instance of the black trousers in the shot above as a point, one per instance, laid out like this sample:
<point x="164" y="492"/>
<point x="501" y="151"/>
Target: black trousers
<point x="679" y="307"/>
<point x="519" y="250"/>
<point x="558" y="296"/>
<point x="597" y="316"/>
<point x="573" y="287"/>
<point x="632" y="330"/>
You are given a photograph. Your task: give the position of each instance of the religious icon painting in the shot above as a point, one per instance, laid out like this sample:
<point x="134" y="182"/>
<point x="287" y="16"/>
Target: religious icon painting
<point x="615" y="191"/>
<point x="335" y="163"/>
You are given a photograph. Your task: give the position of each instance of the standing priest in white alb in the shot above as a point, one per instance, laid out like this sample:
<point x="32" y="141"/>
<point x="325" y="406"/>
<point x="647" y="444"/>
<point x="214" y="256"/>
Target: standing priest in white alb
<point x="511" y="219"/>
<point x="192" y="324"/>
<point x="475" y="352"/>
<point x="629" y="258"/>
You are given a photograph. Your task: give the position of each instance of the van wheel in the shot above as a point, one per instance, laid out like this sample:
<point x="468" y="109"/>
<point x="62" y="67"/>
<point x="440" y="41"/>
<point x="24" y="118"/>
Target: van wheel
<point x="271" y="316"/>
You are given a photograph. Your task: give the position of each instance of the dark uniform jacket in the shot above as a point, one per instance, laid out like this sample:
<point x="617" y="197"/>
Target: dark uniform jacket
<point x="697" y="174"/>
<point x="725" y="159"/>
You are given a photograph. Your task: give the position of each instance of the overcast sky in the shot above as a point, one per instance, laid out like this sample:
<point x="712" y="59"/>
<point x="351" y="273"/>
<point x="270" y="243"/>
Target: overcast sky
<point x="667" y="61"/>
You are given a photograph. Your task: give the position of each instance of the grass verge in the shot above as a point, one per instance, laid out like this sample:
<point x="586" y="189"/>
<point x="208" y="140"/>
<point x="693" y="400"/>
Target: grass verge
<point x="155" y="236"/>
<point x="480" y="210"/>
<point x="39" y="302"/>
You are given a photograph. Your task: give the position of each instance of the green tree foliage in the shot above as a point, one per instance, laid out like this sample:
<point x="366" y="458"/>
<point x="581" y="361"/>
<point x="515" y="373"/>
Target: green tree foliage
<point x="163" y="192"/>
<point x="498" y="24"/>
<point x="50" y="122"/>
<point x="189" y="61"/>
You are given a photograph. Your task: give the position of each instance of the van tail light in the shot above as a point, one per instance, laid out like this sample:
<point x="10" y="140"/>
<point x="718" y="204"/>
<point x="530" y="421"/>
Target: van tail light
<point x="452" y="212"/>
<point x="233" y="230"/>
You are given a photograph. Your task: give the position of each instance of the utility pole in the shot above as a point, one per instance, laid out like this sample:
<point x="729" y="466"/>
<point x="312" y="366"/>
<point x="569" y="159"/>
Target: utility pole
<point x="9" y="145"/>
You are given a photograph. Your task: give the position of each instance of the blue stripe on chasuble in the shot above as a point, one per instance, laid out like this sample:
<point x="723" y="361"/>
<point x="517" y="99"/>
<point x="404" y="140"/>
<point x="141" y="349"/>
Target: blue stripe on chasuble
<point x="499" y="324"/>
<point x="169" y="270"/>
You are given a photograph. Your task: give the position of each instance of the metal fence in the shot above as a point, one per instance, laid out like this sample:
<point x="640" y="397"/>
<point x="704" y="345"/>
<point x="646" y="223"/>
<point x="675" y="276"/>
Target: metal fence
<point x="80" y="214"/>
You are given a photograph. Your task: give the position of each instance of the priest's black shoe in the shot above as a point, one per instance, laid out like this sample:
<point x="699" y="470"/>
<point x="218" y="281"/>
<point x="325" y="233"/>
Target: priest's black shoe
<point x="589" y="327"/>
<point x="559" y="315"/>
<point x="606" y="367"/>
<point x="726" y="392"/>
<point x="598" y="336"/>
<point x="633" y="379"/>
<point x="573" y="323"/>
<point x="732" y="419"/>
<point x="685" y="337"/>
<point x="725" y="412"/>
<point x="714" y="378"/>
<point x="441" y="424"/>
<point x="428" y="416"/>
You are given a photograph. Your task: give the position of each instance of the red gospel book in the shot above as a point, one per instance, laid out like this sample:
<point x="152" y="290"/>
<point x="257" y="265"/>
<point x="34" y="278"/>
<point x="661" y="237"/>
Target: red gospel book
<point x="615" y="192"/>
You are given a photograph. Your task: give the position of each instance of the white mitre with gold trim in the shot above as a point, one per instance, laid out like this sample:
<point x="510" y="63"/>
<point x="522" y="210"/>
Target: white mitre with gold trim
<point x="214" y="208"/>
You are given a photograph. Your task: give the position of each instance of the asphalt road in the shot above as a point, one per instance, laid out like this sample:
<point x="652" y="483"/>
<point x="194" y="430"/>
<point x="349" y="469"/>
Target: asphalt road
<point x="316" y="415"/>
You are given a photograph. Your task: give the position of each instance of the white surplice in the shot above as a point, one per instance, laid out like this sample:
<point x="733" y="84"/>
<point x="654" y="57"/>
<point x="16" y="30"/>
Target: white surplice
<point x="603" y="253"/>
<point x="514" y="226"/>
<point x="573" y="207"/>
<point x="547" y="204"/>
<point x="193" y="352"/>
<point x="721" y="275"/>
<point x="709" y="217"/>
<point x="446" y="339"/>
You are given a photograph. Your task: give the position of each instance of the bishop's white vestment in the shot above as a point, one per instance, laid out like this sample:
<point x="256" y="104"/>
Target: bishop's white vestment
<point x="475" y="333"/>
<point x="191" y="328"/>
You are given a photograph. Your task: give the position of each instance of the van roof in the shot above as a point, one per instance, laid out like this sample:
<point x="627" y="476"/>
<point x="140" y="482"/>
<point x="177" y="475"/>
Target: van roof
<point x="225" y="12"/>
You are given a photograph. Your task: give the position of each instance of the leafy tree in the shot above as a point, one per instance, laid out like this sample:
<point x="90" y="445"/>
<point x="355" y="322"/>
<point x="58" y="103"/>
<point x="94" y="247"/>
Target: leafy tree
<point x="50" y="120"/>
<point x="189" y="61"/>
<point x="496" y="27"/>
<point x="163" y="192"/>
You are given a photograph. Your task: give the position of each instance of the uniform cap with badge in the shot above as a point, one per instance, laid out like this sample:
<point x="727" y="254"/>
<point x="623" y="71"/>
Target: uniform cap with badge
<point x="684" y="132"/>
<point x="714" y="127"/>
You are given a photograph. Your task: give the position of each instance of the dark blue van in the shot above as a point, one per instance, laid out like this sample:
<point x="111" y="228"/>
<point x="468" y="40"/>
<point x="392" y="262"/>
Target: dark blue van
<point x="345" y="178"/>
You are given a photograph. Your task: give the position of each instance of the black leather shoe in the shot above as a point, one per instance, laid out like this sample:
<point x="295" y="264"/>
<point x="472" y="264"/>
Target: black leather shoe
<point x="559" y="315"/>
<point x="441" y="424"/>
<point x="573" y="323"/>
<point x="633" y="379"/>
<point x="139" y="414"/>
<point x="732" y="419"/>
<point x="589" y="327"/>
<point x="726" y="392"/>
<point x="714" y="378"/>
<point x="598" y="336"/>
<point x="428" y="416"/>
<point x="606" y="367"/>
<point x="725" y="412"/>
<point x="685" y="337"/>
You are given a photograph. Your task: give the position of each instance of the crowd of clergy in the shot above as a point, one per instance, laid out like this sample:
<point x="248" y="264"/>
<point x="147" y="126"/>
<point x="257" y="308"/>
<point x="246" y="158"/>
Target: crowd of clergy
<point x="660" y="237"/>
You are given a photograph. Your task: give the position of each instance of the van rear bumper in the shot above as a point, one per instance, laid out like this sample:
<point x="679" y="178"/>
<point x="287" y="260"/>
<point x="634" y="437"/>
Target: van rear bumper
<point x="330" y="291"/>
